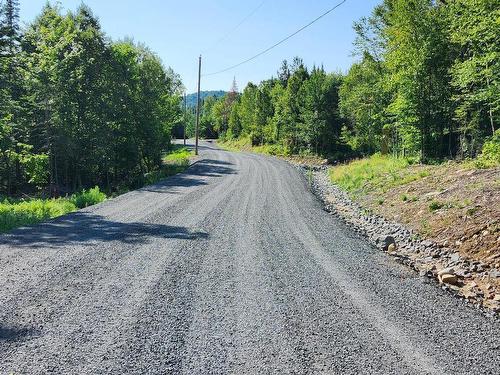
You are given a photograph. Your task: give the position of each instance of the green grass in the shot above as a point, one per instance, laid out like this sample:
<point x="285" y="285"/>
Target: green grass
<point x="239" y="144"/>
<point x="245" y="144"/>
<point x="374" y="173"/>
<point x="435" y="205"/>
<point x="178" y="154"/>
<point x="16" y="213"/>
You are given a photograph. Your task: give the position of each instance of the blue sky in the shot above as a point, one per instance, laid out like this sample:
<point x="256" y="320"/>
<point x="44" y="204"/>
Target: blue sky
<point x="179" y="30"/>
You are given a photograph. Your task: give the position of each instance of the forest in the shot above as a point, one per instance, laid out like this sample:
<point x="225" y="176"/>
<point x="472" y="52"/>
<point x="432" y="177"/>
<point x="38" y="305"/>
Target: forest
<point x="78" y="109"/>
<point x="425" y="85"/>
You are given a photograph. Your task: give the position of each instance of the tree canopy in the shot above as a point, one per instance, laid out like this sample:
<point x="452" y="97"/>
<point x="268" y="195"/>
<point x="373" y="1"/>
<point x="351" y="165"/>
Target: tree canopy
<point x="425" y="84"/>
<point x="77" y="109"/>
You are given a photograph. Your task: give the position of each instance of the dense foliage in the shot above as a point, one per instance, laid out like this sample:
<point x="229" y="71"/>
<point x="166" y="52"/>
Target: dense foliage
<point x="76" y="109"/>
<point x="15" y="213"/>
<point x="426" y="84"/>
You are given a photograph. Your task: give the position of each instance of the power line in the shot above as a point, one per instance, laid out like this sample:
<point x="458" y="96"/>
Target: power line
<point x="224" y="37"/>
<point x="278" y="43"/>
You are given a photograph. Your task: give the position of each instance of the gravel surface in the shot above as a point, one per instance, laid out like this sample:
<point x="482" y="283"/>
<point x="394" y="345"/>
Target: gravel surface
<point x="231" y="267"/>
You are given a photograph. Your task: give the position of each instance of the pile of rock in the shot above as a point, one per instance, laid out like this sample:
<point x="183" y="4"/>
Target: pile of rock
<point x="465" y="278"/>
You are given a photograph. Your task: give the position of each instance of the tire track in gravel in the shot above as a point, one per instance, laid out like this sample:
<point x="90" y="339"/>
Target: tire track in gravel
<point x="375" y="286"/>
<point x="83" y="290"/>
<point x="164" y="320"/>
<point x="261" y="344"/>
<point x="373" y="315"/>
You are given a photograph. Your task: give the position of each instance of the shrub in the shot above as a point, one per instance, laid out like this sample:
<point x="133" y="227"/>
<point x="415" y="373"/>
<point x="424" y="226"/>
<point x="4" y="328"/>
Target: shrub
<point x="490" y="155"/>
<point x="88" y="197"/>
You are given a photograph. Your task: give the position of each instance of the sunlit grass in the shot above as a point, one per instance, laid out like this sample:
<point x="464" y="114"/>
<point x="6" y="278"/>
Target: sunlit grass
<point x="376" y="171"/>
<point x="245" y="144"/>
<point x="175" y="160"/>
<point x="178" y="154"/>
<point x="16" y="213"/>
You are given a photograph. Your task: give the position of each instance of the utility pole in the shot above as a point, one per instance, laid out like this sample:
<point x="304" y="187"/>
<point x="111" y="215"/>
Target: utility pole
<point x="198" y="108"/>
<point x="185" y="118"/>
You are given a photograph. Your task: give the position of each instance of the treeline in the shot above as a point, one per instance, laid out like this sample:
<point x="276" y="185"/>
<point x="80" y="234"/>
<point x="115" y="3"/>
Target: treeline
<point x="297" y="112"/>
<point x="77" y="109"/>
<point x="426" y="84"/>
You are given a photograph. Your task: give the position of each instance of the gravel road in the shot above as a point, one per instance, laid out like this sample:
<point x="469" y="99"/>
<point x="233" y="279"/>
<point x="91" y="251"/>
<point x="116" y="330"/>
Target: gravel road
<point x="231" y="267"/>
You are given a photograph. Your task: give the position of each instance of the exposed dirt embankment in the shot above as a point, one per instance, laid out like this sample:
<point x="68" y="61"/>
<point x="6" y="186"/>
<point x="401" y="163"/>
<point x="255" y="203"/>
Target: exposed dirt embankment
<point x="458" y="208"/>
<point x="444" y="224"/>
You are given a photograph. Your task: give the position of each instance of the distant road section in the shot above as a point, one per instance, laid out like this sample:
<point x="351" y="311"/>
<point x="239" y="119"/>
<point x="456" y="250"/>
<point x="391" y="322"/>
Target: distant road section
<point x="232" y="267"/>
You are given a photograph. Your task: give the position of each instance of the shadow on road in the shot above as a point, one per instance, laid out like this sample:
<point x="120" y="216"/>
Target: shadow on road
<point x="83" y="227"/>
<point x="212" y="167"/>
<point x="194" y="176"/>
<point x="15" y="334"/>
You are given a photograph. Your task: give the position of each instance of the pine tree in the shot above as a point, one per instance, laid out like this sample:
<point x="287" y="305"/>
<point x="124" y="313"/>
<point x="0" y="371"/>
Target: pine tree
<point x="284" y="73"/>
<point x="9" y="28"/>
<point x="10" y="92"/>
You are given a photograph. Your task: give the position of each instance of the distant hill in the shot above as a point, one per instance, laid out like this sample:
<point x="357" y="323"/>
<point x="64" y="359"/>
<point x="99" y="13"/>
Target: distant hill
<point x="191" y="98"/>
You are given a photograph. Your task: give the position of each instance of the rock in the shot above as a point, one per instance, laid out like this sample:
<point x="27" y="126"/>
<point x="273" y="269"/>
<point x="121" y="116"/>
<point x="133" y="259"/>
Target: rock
<point x="497" y="297"/>
<point x="485" y="233"/>
<point x="477" y="268"/>
<point x="431" y="194"/>
<point x="461" y="272"/>
<point x="446" y="271"/>
<point x="448" y="278"/>
<point x="495" y="273"/>
<point x="391" y="248"/>
<point x="385" y="241"/>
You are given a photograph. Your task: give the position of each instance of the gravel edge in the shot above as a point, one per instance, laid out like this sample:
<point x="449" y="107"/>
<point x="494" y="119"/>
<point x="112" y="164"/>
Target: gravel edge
<point x="446" y="267"/>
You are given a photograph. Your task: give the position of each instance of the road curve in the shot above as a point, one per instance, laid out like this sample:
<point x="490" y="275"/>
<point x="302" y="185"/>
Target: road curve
<point x="230" y="267"/>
